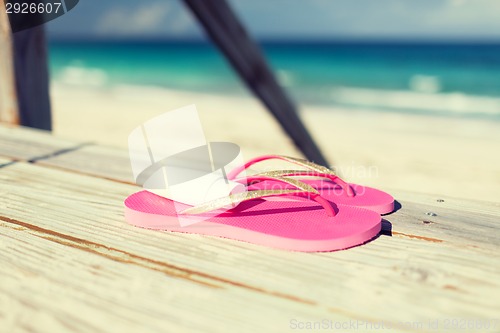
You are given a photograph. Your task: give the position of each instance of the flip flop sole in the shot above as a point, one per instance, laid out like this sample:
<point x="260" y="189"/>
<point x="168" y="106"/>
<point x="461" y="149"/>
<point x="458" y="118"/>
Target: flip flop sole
<point x="290" y="224"/>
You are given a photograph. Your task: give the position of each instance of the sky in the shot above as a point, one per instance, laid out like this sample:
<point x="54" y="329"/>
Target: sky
<point x="289" y="19"/>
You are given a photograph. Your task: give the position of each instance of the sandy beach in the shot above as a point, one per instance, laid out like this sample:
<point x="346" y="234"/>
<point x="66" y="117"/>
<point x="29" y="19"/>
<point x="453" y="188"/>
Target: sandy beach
<point x="446" y="156"/>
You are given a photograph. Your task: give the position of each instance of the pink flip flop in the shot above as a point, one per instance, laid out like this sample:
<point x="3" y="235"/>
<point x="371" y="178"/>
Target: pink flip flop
<point x="297" y="219"/>
<point x="330" y="186"/>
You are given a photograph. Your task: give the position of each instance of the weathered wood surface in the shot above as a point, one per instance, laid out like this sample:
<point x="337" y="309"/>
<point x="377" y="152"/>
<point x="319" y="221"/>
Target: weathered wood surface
<point x="70" y="262"/>
<point x="8" y="99"/>
<point x="33" y="145"/>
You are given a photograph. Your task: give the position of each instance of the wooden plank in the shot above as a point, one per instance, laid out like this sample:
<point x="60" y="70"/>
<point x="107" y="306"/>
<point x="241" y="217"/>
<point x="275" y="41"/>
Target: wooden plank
<point x="26" y="144"/>
<point x="425" y="216"/>
<point x="50" y="286"/>
<point x="8" y="99"/>
<point x="114" y="164"/>
<point x="21" y="143"/>
<point x="446" y="219"/>
<point x="450" y="276"/>
<point x="99" y="161"/>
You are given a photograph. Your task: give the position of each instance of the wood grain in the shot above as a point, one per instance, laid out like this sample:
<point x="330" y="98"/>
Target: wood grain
<point x="95" y="160"/>
<point x="72" y="262"/>
<point x="20" y="143"/>
<point x="99" y="294"/>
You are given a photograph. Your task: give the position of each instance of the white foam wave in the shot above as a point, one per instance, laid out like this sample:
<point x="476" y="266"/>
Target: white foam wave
<point x="458" y="103"/>
<point x="425" y="83"/>
<point x="82" y="76"/>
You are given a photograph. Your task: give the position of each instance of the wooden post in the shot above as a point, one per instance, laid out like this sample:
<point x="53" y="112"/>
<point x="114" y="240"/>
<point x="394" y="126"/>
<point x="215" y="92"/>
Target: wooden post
<point x="8" y="100"/>
<point x="32" y="78"/>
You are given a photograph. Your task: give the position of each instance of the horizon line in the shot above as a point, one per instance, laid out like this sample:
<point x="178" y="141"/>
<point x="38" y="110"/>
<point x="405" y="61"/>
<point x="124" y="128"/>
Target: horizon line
<point x="300" y="40"/>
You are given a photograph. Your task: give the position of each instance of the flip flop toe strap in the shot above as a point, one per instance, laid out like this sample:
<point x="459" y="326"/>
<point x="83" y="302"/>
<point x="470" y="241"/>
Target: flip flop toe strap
<point x="306" y="173"/>
<point x="303" y="190"/>
<point x="313" y="170"/>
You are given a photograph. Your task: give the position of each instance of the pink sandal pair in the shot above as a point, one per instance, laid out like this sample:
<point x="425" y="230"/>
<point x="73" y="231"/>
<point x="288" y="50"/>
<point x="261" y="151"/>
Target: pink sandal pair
<point x="307" y="210"/>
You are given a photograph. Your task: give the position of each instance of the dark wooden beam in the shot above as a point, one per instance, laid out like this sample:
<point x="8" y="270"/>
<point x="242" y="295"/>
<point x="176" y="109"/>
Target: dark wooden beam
<point x="8" y="96"/>
<point x="244" y="54"/>
<point x="32" y="78"/>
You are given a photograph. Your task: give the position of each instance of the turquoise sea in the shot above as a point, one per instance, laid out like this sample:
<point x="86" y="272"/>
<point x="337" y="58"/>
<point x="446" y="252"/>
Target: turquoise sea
<point x="447" y="79"/>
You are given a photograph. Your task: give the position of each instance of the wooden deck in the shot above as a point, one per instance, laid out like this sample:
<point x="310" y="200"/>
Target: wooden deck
<point x="69" y="262"/>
